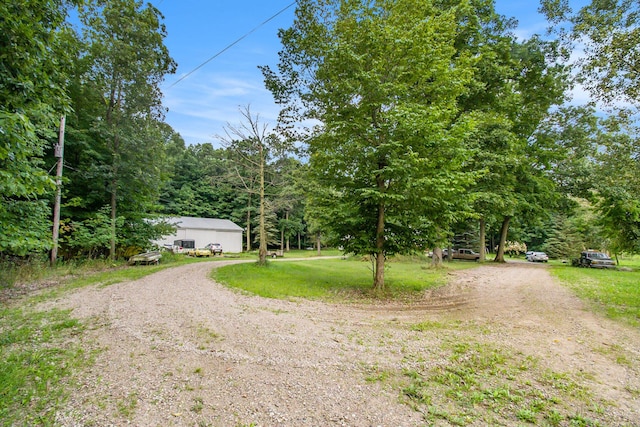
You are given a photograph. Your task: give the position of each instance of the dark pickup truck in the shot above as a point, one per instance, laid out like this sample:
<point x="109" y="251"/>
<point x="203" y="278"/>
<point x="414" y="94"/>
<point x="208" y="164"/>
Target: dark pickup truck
<point x="594" y="259"/>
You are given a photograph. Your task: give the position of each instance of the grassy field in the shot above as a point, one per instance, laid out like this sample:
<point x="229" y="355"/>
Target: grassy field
<point x="341" y="279"/>
<point x="629" y="261"/>
<point x="615" y="293"/>
<point x="294" y="253"/>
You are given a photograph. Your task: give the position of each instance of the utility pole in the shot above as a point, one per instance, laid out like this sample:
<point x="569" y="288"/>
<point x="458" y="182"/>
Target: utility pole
<point x="59" y="154"/>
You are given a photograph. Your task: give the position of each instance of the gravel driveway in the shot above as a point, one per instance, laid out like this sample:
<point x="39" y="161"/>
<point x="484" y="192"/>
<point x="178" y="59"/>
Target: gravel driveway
<point x="177" y="349"/>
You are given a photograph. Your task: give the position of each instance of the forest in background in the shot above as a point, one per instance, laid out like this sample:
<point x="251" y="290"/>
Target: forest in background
<point x="438" y="128"/>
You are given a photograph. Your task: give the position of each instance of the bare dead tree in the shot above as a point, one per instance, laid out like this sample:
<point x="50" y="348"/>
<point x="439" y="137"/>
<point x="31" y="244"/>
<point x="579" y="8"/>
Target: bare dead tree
<point x="250" y="141"/>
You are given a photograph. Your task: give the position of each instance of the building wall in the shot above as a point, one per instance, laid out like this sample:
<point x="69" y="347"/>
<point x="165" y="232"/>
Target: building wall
<point x="231" y="241"/>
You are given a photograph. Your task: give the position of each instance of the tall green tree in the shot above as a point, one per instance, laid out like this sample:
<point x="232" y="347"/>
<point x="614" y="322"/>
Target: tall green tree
<point x="487" y="36"/>
<point x="198" y="185"/>
<point x="289" y="200"/>
<point x="127" y="62"/>
<point x="538" y="81"/>
<point x="34" y="46"/>
<point x="608" y="31"/>
<point x="383" y="79"/>
<point x="618" y="184"/>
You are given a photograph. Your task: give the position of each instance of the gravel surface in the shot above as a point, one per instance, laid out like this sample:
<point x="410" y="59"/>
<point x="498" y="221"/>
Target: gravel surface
<point x="177" y="349"/>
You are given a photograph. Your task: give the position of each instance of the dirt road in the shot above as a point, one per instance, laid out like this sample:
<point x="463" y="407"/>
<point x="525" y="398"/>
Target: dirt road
<point x="179" y="349"/>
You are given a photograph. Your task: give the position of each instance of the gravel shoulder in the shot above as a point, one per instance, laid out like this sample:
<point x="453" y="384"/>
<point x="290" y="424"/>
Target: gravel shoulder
<point x="178" y="349"/>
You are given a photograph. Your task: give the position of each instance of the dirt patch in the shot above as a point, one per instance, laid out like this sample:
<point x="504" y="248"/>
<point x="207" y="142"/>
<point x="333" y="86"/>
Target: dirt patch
<point x="181" y="350"/>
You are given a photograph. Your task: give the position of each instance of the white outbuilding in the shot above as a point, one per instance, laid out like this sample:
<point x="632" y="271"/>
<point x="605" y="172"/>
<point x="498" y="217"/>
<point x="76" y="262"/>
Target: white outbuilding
<point x="204" y="231"/>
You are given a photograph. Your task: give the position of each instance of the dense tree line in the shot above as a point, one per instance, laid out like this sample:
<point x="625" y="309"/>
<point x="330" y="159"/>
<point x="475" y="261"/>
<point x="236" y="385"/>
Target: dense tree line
<point x="434" y="125"/>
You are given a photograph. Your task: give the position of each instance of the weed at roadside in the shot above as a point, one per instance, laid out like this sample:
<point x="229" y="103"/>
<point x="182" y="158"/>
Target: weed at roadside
<point x="38" y="358"/>
<point x="483" y="383"/>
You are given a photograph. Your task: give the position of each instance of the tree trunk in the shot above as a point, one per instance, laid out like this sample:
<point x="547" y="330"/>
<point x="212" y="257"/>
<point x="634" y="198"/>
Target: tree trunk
<point x="318" y="244"/>
<point x="378" y="282"/>
<point x="112" y="239"/>
<point x="114" y="198"/>
<point x="262" y="252"/>
<point x="114" y="100"/>
<point x="503" y="239"/>
<point x="483" y="244"/>
<point x="286" y="215"/>
<point x="249" y="225"/>
<point x="59" y="154"/>
<point x="436" y="258"/>
<point x="282" y="239"/>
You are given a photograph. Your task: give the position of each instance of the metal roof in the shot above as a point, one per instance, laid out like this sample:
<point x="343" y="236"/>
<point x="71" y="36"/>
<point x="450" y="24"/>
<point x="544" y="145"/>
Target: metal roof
<point x="204" y="223"/>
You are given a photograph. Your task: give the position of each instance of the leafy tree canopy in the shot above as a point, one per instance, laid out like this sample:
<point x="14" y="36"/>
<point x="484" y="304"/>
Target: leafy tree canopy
<point x="383" y="79"/>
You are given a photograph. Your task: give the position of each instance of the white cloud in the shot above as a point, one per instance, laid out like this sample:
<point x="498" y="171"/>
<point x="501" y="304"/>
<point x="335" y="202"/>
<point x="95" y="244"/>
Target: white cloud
<point x="201" y="105"/>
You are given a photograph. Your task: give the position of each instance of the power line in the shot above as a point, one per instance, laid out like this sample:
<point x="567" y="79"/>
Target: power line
<point x="229" y="46"/>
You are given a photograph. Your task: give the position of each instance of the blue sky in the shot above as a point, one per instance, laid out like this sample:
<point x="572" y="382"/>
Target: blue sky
<point x="201" y="104"/>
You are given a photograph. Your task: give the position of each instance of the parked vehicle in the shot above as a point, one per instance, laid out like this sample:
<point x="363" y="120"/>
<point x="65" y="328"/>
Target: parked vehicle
<point x="147" y="258"/>
<point x="537" y="257"/>
<point x="199" y="252"/>
<point x="214" y="248"/>
<point x="594" y="259"/>
<point x="183" y="245"/>
<point x="461" y="254"/>
<point x="275" y="253"/>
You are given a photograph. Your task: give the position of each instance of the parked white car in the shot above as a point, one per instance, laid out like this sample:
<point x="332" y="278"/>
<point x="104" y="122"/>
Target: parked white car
<point x="537" y="257"/>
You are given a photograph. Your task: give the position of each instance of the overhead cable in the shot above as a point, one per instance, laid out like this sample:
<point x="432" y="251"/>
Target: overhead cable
<point x="229" y="46"/>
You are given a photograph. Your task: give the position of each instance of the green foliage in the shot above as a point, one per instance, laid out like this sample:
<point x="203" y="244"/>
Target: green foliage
<point x="383" y="80"/>
<point x="563" y="242"/>
<point x="88" y="238"/>
<point x="120" y="72"/>
<point x="37" y="358"/>
<point x="26" y="227"/>
<point x="201" y="185"/>
<point x="607" y="32"/>
<point x="32" y="98"/>
<point x="618" y="184"/>
<point x="568" y="139"/>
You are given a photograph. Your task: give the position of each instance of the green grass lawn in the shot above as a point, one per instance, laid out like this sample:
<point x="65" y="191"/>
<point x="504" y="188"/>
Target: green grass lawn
<point x="630" y="261"/>
<point x="335" y="279"/>
<point x="613" y="292"/>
